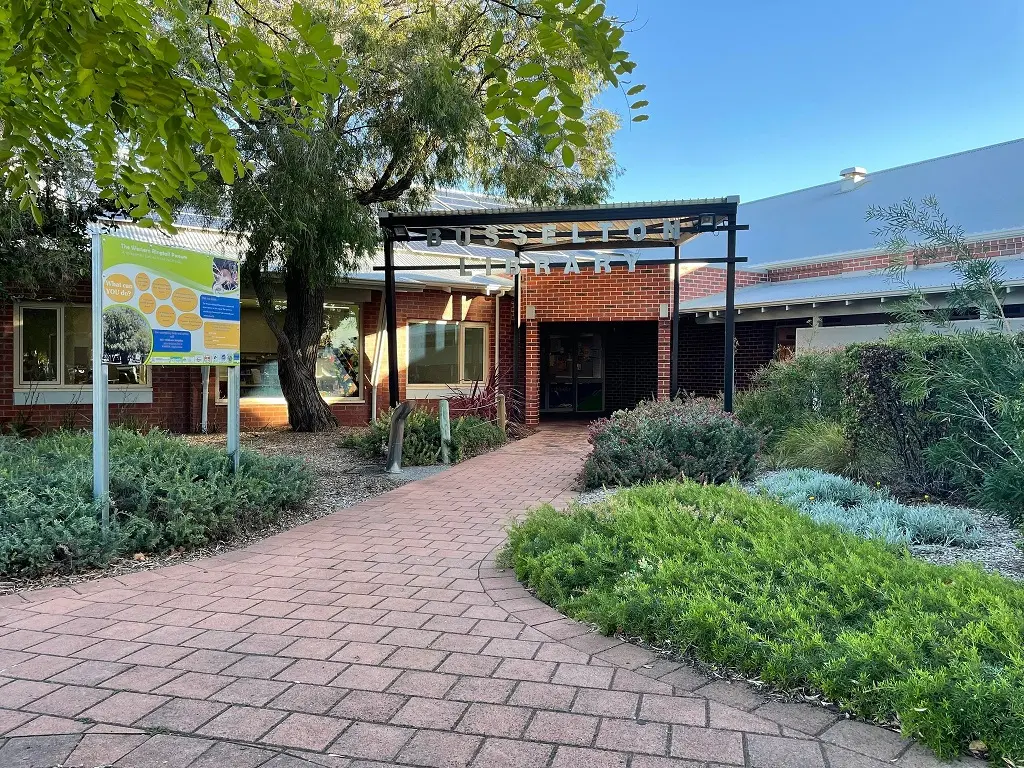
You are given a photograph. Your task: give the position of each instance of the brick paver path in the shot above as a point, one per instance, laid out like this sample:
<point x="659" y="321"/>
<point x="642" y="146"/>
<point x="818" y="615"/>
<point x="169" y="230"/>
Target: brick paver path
<point x="380" y="635"/>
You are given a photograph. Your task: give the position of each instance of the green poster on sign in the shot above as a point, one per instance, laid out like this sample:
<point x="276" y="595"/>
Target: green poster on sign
<point x="164" y="305"/>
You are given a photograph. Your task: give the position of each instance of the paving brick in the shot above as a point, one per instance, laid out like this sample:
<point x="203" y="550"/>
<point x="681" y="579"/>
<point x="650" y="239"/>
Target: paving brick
<point x="777" y="752"/>
<point x="97" y="749"/>
<point x="736" y="694"/>
<point x="416" y="658"/>
<point x="313" y="699"/>
<point x="124" y="708"/>
<point x="253" y="693"/>
<point x="802" y="717"/>
<point x="416" y="683"/>
<point x="694" y="743"/>
<point x="866" y="739"/>
<point x="495" y="720"/>
<point x="49" y="725"/>
<point x="227" y="755"/>
<point x="583" y="675"/>
<point x="611" y="703"/>
<point x="69" y="701"/>
<point x="469" y="664"/>
<point x="632" y="736"/>
<point x="306" y="731"/>
<point x="504" y="753"/>
<point x="182" y="715"/>
<point x="369" y="705"/>
<point x="563" y="728"/>
<point x="372" y="741"/>
<point x="732" y="719"/>
<point x="367" y="678"/>
<point x="18" y="693"/>
<point x="9" y="720"/>
<point x="430" y="713"/>
<point x="847" y="759"/>
<point x="242" y="723"/>
<point x="198" y="685"/>
<point x="37" y="751"/>
<point x="440" y="750"/>
<point x="481" y="689"/>
<point x="89" y="673"/>
<point x="673" y="709"/>
<point x="141" y="679"/>
<point x="165" y="751"/>
<point x="579" y="757"/>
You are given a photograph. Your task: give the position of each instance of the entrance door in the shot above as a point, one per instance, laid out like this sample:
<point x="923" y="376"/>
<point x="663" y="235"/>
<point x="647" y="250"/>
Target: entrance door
<point x="573" y="372"/>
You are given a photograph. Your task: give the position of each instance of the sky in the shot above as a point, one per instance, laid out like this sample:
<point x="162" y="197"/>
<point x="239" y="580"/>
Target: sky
<point x="759" y="97"/>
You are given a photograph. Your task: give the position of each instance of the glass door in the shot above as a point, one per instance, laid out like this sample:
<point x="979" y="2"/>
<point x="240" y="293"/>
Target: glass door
<point x="573" y="375"/>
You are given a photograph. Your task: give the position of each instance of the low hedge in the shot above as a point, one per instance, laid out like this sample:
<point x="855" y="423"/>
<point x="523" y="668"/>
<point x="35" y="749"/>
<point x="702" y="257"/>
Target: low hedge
<point x="666" y="440"/>
<point x="421" y="445"/>
<point x="165" y="493"/>
<point x="746" y="583"/>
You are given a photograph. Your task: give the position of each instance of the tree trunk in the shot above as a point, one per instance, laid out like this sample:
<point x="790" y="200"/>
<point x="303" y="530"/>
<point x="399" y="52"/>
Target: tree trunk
<point x="303" y="331"/>
<point x="298" y="345"/>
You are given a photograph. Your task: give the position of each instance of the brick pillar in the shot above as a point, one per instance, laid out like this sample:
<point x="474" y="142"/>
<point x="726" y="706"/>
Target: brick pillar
<point x="532" y="373"/>
<point x="664" y="358"/>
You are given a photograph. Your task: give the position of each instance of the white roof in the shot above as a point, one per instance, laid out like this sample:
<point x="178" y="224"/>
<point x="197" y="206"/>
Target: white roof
<point x="981" y="190"/>
<point x="937" y="278"/>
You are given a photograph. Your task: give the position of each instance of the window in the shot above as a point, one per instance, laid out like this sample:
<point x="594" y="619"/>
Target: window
<point x="447" y="352"/>
<point x="338" y="363"/>
<point x="53" y="345"/>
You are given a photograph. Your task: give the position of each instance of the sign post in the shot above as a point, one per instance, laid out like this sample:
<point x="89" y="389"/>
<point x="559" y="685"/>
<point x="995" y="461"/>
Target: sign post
<point x="158" y="304"/>
<point x="100" y="411"/>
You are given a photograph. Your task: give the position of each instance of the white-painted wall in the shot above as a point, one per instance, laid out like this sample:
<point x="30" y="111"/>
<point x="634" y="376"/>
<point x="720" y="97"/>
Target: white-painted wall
<point x="808" y="339"/>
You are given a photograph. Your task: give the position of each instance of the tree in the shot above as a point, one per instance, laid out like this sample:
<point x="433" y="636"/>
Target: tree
<point x="54" y="251"/>
<point x="492" y="93"/>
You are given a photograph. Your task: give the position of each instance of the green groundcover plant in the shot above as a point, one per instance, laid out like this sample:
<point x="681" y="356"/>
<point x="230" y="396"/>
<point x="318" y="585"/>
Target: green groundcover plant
<point x="421" y="445"/>
<point x="165" y="493"/>
<point x="743" y="582"/>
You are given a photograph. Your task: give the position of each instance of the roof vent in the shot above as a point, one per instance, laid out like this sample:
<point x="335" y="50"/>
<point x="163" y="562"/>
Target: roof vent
<point x="851" y="178"/>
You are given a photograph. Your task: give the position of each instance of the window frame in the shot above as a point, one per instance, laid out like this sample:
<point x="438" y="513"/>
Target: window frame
<point x="20" y="385"/>
<point x="461" y="343"/>
<point x="355" y="399"/>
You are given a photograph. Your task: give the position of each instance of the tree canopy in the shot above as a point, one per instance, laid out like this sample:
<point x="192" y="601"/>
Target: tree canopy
<point x="153" y="88"/>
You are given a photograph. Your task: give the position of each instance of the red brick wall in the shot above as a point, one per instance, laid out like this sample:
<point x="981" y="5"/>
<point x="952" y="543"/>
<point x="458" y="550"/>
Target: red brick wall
<point x="177" y="396"/>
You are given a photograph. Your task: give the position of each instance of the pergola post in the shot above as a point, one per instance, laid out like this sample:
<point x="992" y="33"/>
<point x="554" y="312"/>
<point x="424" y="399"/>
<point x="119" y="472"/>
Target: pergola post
<point x="673" y="379"/>
<point x="729" y="385"/>
<point x="391" y="307"/>
<point x="517" y="278"/>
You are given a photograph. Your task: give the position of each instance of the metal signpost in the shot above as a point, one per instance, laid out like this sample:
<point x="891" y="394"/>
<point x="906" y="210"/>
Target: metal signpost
<point x="160" y="305"/>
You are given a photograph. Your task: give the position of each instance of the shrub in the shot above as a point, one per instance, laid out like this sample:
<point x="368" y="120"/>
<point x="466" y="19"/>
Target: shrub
<point x="746" y="583"/>
<point x="817" y="444"/>
<point x="421" y="444"/>
<point x="666" y="440"/>
<point x="786" y="394"/>
<point x="164" y="493"/>
<point x="870" y="513"/>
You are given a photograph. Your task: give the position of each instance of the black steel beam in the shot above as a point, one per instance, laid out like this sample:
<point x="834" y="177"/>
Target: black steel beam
<point x="554" y="216"/>
<point x="729" y="385"/>
<point x="391" y="309"/>
<point x="673" y="387"/>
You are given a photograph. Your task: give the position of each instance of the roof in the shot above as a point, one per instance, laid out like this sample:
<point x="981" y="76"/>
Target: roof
<point x="936" y="278"/>
<point x="606" y="226"/>
<point x="980" y="190"/>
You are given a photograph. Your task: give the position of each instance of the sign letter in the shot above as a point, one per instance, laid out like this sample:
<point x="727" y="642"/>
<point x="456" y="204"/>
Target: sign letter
<point x="576" y="234"/>
<point x="512" y="265"/>
<point x="604" y="226"/>
<point x="491" y="235"/>
<point x="541" y="263"/>
<point x="602" y="264"/>
<point x="571" y="266"/>
<point x="670" y="230"/>
<point x="433" y="237"/>
<point x="637" y="231"/>
<point x="519" y="236"/>
<point x="547" y="234"/>
<point x="463" y="236"/>
<point x="632" y="259"/>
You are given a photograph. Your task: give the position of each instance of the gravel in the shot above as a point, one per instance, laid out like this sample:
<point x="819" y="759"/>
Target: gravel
<point x="341" y="479"/>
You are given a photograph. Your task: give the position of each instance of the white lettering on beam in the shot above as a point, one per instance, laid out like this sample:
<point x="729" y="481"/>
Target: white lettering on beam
<point x="571" y="266"/>
<point x="670" y="230"/>
<point x="604" y="226"/>
<point x="541" y="263"/>
<point x="576" y="238"/>
<point x="547" y="234"/>
<point x="602" y="264"/>
<point x="637" y="231"/>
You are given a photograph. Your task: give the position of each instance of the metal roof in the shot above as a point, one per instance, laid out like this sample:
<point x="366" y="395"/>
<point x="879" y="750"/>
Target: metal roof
<point x="980" y="190"/>
<point x="850" y="286"/>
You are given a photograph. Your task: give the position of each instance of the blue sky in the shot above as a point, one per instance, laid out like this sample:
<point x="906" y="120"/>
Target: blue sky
<point x="756" y="98"/>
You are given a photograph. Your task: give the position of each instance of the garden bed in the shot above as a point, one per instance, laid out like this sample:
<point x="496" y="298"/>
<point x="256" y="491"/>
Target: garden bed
<point x="339" y="479"/>
<point x="742" y="582"/>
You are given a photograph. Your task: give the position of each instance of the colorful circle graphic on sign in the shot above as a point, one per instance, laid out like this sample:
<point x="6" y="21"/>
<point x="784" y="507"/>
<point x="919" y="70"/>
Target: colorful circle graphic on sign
<point x="147" y="303"/>
<point x="162" y="288"/>
<point x="165" y="316"/>
<point x="190" y="321"/>
<point x="184" y="299"/>
<point x="142" y="281"/>
<point x="118" y="288"/>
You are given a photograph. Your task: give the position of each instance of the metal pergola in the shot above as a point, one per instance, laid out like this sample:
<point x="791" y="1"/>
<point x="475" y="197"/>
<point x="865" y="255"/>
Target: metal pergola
<point x="529" y="232"/>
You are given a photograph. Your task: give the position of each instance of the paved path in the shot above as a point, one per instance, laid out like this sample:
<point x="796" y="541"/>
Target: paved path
<point x="380" y="635"/>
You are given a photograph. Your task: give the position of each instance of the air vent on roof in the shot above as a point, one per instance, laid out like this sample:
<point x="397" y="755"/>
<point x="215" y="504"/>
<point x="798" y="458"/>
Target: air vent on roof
<point x="851" y="178"/>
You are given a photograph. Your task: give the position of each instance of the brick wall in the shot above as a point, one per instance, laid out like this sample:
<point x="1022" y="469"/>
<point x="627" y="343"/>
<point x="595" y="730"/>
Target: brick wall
<point x="702" y="354"/>
<point x="177" y="391"/>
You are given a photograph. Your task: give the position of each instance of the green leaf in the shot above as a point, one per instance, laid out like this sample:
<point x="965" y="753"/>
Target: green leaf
<point x="552" y="144"/>
<point x="497" y="40"/>
<point x="568" y="156"/>
<point x="531" y="69"/>
<point x="639" y="104"/>
<point x="635" y="89"/>
<point x="640" y="118"/>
